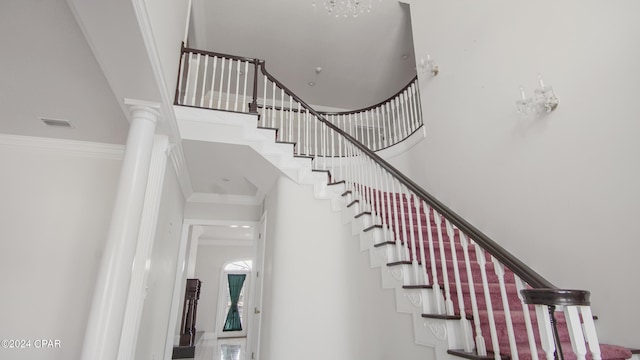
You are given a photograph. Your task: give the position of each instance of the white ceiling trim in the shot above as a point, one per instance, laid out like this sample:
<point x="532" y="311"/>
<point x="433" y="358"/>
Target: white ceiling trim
<point x="225" y="199"/>
<point x="179" y="164"/>
<point x="73" y="147"/>
<point x="222" y="242"/>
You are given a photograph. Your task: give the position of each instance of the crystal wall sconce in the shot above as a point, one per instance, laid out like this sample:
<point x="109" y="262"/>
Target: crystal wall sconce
<point x="428" y="67"/>
<point x="543" y="101"/>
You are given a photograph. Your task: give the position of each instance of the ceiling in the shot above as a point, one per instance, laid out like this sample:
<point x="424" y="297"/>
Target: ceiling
<point x="364" y="60"/>
<point x="49" y="70"/>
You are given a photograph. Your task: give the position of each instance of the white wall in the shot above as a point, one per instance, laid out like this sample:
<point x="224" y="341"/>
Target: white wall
<point x="210" y="260"/>
<point x="321" y="299"/>
<point x="163" y="265"/>
<point x="54" y="216"/>
<point x="561" y="192"/>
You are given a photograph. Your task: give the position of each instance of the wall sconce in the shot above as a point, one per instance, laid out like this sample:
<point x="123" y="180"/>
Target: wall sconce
<point x="428" y="67"/>
<point x="544" y="100"/>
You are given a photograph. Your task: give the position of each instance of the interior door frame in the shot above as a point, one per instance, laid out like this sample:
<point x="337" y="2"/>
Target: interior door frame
<point x="223" y="290"/>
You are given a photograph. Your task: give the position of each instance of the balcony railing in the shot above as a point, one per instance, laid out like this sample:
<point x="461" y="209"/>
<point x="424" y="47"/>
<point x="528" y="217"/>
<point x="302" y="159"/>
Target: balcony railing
<point x="232" y="83"/>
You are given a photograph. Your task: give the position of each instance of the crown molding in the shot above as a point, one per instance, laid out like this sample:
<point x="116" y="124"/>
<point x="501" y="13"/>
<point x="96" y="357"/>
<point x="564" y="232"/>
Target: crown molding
<point x="224" y="242"/>
<point x="176" y="154"/>
<point x="225" y="199"/>
<point x="64" y="146"/>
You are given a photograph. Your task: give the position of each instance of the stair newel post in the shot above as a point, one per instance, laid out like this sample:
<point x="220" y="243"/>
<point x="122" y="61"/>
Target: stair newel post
<point x="482" y="261"/>
<point x="414" y="249"/>
<point x="520" y="285"/>
<point x="499" y="270"/>
<point x="437" y="293"/>
<point x="481" y="347"/>
<point x="253" y="108"/>
<point x="423" y="260"/>
<point x="443" y="264"/>
<point x="466" y="325"/>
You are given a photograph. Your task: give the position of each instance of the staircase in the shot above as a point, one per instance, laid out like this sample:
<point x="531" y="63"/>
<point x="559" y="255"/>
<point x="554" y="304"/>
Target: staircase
<point x="468" y="296"/>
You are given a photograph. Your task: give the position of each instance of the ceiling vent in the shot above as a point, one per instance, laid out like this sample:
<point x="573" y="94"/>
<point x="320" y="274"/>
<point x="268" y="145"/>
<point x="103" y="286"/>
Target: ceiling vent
<point x="57" y="122"/>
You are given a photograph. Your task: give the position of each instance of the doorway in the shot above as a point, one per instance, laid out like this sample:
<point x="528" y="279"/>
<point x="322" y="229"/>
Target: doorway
<point x="234" y="294"/>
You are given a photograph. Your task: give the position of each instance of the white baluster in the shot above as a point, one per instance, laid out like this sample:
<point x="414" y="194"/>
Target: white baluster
<point x="265" y="111"/>
<point x="237" y="94"/>
<point x="575" y="332"/>
<point x="368" y="129"/>
<point x="315" y="137"/>
<point x="196" y="75"/>
<point x="481" y="347"/>
<point x="273" y="106"/>
<point x="380" y="129"/>
<point x="226" y="105"/>
<point x="290" y="119"/>
<point x="412" y="115"/>
<point x="423" y="259"/>
<point x="223" y="60"/>
<point x="437" y="293"/>
<point x="204" y="79"/>
<point x="213" y="81"/>
<point x="244" y="87"/>
<point x="527" y="320"/>
<point x="546" y="333"/>
<point x="482" y="261"/>
<point x="466" y="325"/>
<point x="298" y="139"/>
<point x="499" y="269"/>
<point x="443" y="263"/>
<point x="590" y="332"/>
<point x="394" y="119"/>
<point x="403" y="222"/>
<point x="180" y="98"/>
<point x="414" y="249"/>
<point x="405" y="108"/>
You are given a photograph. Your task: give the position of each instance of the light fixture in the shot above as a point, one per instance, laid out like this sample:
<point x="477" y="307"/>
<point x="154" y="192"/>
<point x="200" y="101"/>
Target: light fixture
<point x="544" y="100"/>
<point x="428" y="66"/>
<point x="345" y="8"/>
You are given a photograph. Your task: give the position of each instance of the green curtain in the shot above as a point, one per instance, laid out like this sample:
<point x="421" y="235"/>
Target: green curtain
<point x="233" y="322"/>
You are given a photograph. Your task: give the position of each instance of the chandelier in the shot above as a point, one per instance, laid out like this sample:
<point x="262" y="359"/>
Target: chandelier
<point x="345" y="8"/>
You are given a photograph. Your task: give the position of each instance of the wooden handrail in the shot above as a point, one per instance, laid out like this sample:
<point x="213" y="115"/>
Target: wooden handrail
<point x="349" y="112"/>
<point x="526" y="273"/>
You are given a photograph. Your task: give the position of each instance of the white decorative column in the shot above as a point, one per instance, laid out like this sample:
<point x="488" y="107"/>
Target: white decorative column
<point x="112" y="284"/>
<point x="140" y="270"/>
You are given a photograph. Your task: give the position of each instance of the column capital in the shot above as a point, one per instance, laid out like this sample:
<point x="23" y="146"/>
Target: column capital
<point x="143" y="109"/>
